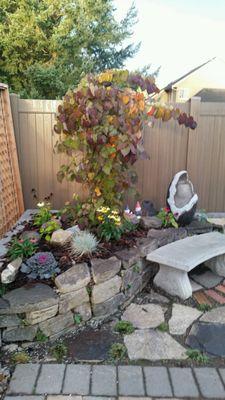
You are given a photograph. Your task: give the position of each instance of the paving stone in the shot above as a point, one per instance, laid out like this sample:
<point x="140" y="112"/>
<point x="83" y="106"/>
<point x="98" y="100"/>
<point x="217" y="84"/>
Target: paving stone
<point x="20" y="334"/>
<point x="50" y="379"/>
<point x="34" y="317"/>
<point x="157" y="381"/>
<point x="201" y="298"/>
<point x="130" y="381"/>
<point x="207" y="278"/>
<point x="92" y="345"/>
<point x="74" y="278"/>
<point x="105" y="290"/>
<point x="220" y="288"/>
<point x="222" y="374"/>
<point x="182" y="318"/>
<point x="217" y="316"/>
<point x="104" y="270"/>
<point x="109" y="306"/>
<point x="209" y="383"/>
<point x="64" y="397"/>
<point x="23" y="379"/>
<point x="24" y="397"/>
<point x="77" y="379"/>
<point x="98" y="398"/>
<point x="153" y="345"/>
<point x="208" y="337"/>
<point x="57" y="324"/>
<point x="9" y="321"/>
<point x="183" y="382"/>
<point x="144" y="316"/>
<point x="215" y="296"/>
<point x="31" y="297"/>
<point x="104" y="379"/>
<point x="128" y="257"/>
<point x="71" y="300"/>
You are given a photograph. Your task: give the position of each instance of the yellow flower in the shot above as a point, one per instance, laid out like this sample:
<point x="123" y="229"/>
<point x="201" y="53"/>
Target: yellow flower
<point x="98" y="191"/>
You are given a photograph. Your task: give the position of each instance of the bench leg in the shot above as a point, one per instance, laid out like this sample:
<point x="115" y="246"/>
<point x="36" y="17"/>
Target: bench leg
<point x="174" y="282"/>
<point x="217" y="265"/>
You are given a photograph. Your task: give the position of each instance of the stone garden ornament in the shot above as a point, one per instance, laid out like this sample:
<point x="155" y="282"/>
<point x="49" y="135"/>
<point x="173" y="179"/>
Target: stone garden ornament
<point x="181" y="198"/>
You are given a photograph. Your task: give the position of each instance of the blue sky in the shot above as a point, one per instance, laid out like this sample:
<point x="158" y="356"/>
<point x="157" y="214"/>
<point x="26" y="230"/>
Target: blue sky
<point x="177" y="35"/>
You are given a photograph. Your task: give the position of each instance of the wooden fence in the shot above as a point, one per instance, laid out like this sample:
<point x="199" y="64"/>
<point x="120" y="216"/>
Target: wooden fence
<point x="171" y="148"/>
<point x="11" y="199"/>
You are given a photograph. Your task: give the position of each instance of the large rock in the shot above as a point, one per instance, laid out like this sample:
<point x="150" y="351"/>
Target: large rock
<point x="34" y="317"/>
<point x="146" y="246"/>
<point x="144" y="316"/>
<point x="71" y="300"/>
<point x="153" y="345"/>
<point x="8" y="275"/>
<point x="7" y="321"/>
<point x="105" y="290"/>
<point x="57" y="324"/>
<point x="74" y="278"/>
<point x="208" y="337"/>
<point x="31" y="297"/>
<point x="182" y="318"/>
<point x="215" y="316"/>
<point x="21" y="334"/>
<point x="103" y="270"/>
<point x="132" y="280"/>
<point x="61" y="237"/>
<point x="128" y="257"/>
<point x="151" y="222"/>
<point x="166" y="236"/>
<point x="110" y="306"/>
<point x="84" y="311"/>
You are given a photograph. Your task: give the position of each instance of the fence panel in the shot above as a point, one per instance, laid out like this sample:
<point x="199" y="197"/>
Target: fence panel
<point x="170" y="146"/>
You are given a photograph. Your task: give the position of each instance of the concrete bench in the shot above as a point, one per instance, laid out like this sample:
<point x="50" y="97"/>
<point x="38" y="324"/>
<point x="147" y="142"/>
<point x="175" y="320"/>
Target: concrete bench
<point x="178" y="258"/>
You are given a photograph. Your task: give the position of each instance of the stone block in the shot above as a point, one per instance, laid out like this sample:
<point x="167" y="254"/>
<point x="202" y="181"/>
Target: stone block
<point x="131" y="381"/>
<point x="74" y="278"/>
<point x="54" y="325"/>
<point x="28" y="298"/>
<point x="105" y="290"/>
<point x="183" y="382"/>
<point x="77" y="379"/>
<point x="131" y="281"/>
<point x="51" y="379"/>
<point x="23" y="379"/>
<point x="104" y="380"/>
<point x="157" y="382"/>
<point x="104" y="270"/>
<point x="110" y="306"/>
<point x="71" y="300"/>
<point x="84" y="311"/>
<point x="151" y="222"/>
<point x="146" y="246"/>
<point x="209" y="383"/>
<point x="144" y="316"/>
<point x="128" y="257"/>
<point x="34" y="317"/>
<point x="7" y="321"/>
<point x="20" y="334"/>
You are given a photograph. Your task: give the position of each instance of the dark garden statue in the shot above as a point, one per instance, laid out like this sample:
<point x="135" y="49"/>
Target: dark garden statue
<point x="181" y="198"/>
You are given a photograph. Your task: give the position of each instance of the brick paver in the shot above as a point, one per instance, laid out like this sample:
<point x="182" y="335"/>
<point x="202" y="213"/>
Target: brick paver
<point x="131" y="382"/>
<point x="157" y="381"/>
<point x="215" y="296"/>
<point x="210" y="383"/>
<point x="183" y="382"/>
<point x="105" y="382"/>
<point x="77" y="379"/>
<point x="23" y="379"/>
<point x="51" y="379"/>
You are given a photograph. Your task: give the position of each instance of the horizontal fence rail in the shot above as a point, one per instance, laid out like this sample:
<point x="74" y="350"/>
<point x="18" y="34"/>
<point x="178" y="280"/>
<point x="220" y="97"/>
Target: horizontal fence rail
<point x="171" y="148"/>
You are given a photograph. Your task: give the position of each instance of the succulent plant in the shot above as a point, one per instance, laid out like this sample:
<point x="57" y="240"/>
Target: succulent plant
<point x="42" y="265"/>
<point x="83" y="243"/>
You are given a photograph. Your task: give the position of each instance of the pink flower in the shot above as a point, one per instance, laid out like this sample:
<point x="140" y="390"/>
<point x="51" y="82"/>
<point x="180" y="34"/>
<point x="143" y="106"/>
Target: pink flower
<point x="167" y="209"/>
<point x="42" y="259"/>
<point x="33" y="240"/>
<point x="21" y="240"/>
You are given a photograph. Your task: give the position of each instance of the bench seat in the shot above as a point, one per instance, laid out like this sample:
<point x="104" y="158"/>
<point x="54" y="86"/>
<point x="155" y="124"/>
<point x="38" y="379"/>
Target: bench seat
<point x="178" y="258"/>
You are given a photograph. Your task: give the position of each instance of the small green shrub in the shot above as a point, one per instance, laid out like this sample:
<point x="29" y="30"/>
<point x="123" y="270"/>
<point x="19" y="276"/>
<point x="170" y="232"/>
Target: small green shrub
<point x="204" y="307"/>
<point x="83" y="243"/>
<point x="77" y="319"/>
<point x="40" y="336"/>
<point x="49" y="227"/>
<point x="124" y="327"/>
<point x="20" y="358"/>
<point x="23" y="248"/>
<point x="117" y="352"/>
<point x="163" y="327"/>
<point x="197" y="355"/>
<point x="112" y="225"/>
<point x="43" y="215"/>
<point x="59" y="351"/>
